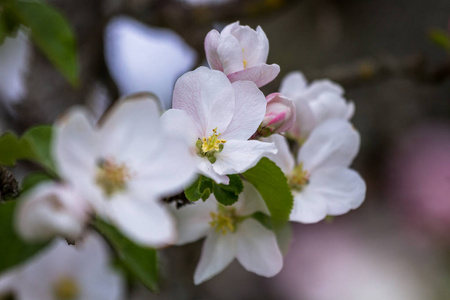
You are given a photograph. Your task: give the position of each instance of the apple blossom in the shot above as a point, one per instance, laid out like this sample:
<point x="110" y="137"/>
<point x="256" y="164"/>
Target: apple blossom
<point x="124" y="166"/>
<point x="320" y="180"/>
<point x="230" y="232"/>
<point x="316" y="103"/>
<point x="66" y="272"/>
<point x="51" y="209"/>
<point x="14" y="62"/>
<point x="241" y="53"/>
<point x="217" y="118"/>
<point x="280" y="115"/>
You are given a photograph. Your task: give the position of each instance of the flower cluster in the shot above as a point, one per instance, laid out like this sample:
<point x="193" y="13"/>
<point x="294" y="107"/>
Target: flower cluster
<point x="223" y="141"/>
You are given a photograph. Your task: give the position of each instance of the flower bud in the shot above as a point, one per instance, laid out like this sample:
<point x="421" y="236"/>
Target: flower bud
<point x="280" y="115"/>
<point x="50" y="210"/>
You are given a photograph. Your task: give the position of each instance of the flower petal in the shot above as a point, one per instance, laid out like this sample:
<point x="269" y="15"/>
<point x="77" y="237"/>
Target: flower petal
<point x="177" y="121"/>
<point x="305" y="121"/>
<point x="334" y="143"/>
<point x="206" y="168"/>
<point x="257" y="249"/>
<point x="239" y="156"/>
<point x="331" y="191"/>
<point x="284" y="158"/>
<point x="254" y="44"/>
<point x="260" y="74"/>
<point x="293" y="84"/>
<point x="321" y="86"/>
<point x="249" y="111"/>
<point x="145" y="222"/>
<point x="193" y="220"/>
<point x="212" y="41"/>
<point x="250" y="201"/>
<point x="230" y="54"/>
<point x="217" y="253"/>
<point x="208" y="97"/>
<point x="131" y="131"/>
<point x="330" y="106"/>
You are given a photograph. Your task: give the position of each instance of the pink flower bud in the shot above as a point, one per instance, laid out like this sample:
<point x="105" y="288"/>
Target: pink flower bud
<point x="280" y="115"/>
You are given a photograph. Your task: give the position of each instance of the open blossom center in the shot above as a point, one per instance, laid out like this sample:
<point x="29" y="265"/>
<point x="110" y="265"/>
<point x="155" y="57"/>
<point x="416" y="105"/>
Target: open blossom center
<point x="112" y="177"/>
<point x="66" y="288"/>
<point x="224" y="220"/>
<point x="210" y="145"/>
<point x="298" y="178"/>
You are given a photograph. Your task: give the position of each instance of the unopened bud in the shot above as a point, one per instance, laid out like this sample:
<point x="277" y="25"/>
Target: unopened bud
<point x="50" y="210"/>
<point x="280" y="115"/>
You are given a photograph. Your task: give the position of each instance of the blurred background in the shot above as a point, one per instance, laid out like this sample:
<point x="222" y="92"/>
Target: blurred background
<point x="391" y="57"/>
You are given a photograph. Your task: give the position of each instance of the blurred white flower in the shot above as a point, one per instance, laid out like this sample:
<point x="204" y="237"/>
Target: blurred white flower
<point x="217" y="118"/>
<point x="316" y="103"/>
<point x="320" y="180"/>
<point x="241" y="53"/>
<point x="64" y="272"/>
<point x="14" y="62"/>
<point x="49" y="210"/>
<point x="124" y="166"/>
<point x="141" y="58"/>
<point x="230" y="232"/>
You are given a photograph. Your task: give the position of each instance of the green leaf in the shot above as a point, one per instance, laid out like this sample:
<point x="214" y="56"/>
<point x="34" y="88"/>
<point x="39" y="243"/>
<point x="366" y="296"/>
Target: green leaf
<point x="201" y="188"/>
<point x="271" y="183"/>
<point x="13" y="250"/>
<point x="140" y="261"/>
<point x="52" y="33"/>
<point x="228" y="194"/>
<point x="40" y="140"/>
<point x="34" y="145"/>
<point x="441" y="38"/>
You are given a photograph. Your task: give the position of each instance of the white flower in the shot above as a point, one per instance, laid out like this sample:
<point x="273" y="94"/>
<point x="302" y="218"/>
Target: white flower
<point x="241" y="53"/>
<point x="217" y="118"/>
<point x="230" y="232"/>
<point x="316" y="103"/>
<point x="64" y="272"/>
<point x="123" y="166"/>
<point x="142" y="58"/>
<point x="14" y="62"/>
<point x="320" y="180"/>
<point x="49" y="210"/>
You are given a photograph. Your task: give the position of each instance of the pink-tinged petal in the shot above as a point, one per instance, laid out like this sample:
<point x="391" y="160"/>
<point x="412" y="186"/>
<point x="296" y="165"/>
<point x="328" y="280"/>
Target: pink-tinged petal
<point x="230" y="28"/>
<point x="206" y="168"/>
<point x="305" y="120"/>
<point x="212" y="41"/>
<point x="145" y="222"/>
<point x="74" y="148"/>
<point x="249" y="111"/>
<point x="239" y="156"/>
<point x="166" y="172"/>
<point x="127" y="129"/>
<point x="341" y="188"/>
<point x="230" y="53"/>
<point x="208" y="97"/>
<point x="284" y="158"/>
<point x="250" y="201"/>
<point x="178" y="122"/>
<point x="329" y="106"/>
<point x="280" y="114"/>
<point x="254" y="45"/>
<point x="308" y="207"/>
<point x="193" y="220"/>
<point x="335" y="143"/>
<point x="293" y="84"/>
<point x="260" y="74"/>
<point x="257" y="249"/>
<point x="217" y="253"/>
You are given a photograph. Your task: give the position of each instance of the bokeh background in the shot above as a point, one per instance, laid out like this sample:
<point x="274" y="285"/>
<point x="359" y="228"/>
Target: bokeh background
<point x="396" y="246"/>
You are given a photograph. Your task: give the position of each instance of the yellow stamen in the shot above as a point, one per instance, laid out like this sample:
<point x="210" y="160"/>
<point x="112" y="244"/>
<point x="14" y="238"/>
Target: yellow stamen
<point x="112" y="177"/>
<point x="224" y="220"/>
<point x="212" y="142"/>
<point x="298" y="178"/>
<point x="66" y="289"/>
<point x="245" y="64"/>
